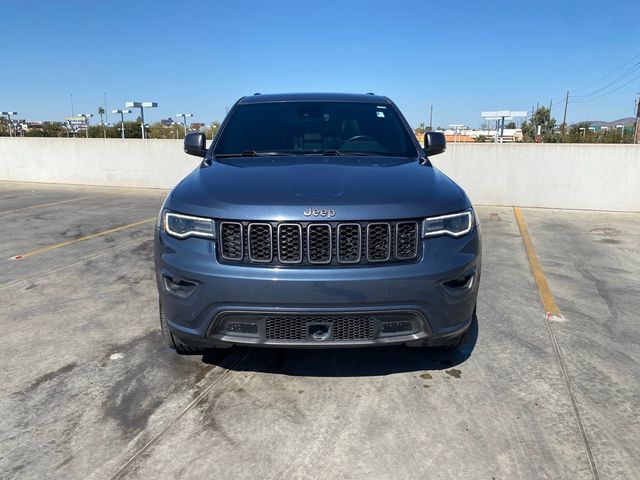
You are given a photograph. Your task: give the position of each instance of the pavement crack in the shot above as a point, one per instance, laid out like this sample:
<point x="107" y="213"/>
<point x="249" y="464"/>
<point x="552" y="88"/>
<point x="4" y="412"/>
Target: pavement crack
<point x="574" y="404"/>
<point x="228" y="370"/>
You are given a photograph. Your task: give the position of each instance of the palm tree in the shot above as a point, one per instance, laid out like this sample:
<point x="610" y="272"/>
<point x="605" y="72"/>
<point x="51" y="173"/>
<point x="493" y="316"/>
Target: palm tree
<point x="104" y="128"/>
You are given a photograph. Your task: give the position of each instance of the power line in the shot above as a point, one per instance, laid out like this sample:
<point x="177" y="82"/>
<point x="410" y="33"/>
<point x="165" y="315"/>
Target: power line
<point x="624" y="75"/>
<point x="608" y="74"/>
<point x="559" y="99"/>
<point x="610" y="91"/>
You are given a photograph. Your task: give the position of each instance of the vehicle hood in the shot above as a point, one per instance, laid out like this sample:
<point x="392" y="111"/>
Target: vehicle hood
<point x="282" y="188"/>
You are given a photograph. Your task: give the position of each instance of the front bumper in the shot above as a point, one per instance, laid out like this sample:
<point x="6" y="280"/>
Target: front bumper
<point x="208" y="303"/>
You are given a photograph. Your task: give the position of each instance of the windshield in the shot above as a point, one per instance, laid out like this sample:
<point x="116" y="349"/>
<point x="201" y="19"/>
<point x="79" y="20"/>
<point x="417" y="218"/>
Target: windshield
<point x="315" y="128"/>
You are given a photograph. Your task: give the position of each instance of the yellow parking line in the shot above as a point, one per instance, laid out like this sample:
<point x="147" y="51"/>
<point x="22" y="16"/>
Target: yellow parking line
<point x="74" y="199"/>
<point x="81" y="239"/>
<point x="548" y="303"/>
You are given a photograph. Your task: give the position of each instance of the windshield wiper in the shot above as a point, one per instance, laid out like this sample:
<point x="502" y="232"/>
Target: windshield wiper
<point x="249" y="153"/>
<point x="361" y="154"/>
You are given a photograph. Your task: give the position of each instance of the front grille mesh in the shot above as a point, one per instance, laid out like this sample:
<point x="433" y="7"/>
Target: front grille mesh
<point x="290" y="243"/>
<point x="309" y="243"/>
<point x="378" y="242"/>
<point x="292" y="328"/>
<point x="406" y="240"/>
<point x="349" y="243"/>
<point x="319" y="243"/>
<point x="231" y="240"/>
<point x="260" y="241"/>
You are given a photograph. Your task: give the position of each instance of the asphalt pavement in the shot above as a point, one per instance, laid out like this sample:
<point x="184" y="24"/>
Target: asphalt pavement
<point x="88" y="389"/>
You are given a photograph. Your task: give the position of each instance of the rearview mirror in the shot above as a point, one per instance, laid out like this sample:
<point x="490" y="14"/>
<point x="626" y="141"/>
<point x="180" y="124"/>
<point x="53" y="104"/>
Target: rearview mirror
<point x="195" y="144"/>
<point x="434" y="143"/>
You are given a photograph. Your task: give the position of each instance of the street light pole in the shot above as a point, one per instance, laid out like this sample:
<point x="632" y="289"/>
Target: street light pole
<point x="8" y="115"/>
<point x="184" y="120"/>
<point x="141" y="106"/>
<point x="121" y="112"/>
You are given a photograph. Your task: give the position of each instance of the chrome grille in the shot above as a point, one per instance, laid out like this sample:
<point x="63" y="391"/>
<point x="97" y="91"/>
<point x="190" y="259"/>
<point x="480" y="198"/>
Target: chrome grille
<point x="260" y="242"/>
<point x="314" y="244"/>
<point x="349" y="243"/>
<point x="231" y="240"/>
<point x="290" y="243"/>
<point x="319" y="243"/>
<point x="406" y="240"/>
<point x="378" y="242"/>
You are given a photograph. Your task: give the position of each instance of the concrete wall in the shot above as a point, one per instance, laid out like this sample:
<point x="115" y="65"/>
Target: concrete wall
<point x="578" y="176"/>
<point x="596" y="177"/>
<point x="95" y="161"/>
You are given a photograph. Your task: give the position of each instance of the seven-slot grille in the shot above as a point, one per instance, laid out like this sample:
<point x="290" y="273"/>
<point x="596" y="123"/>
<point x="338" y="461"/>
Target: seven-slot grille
<point x="311" y="243"/>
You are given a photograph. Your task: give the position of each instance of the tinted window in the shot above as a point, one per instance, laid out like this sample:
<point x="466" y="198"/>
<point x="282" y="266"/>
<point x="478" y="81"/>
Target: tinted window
<point x="316" y="127"/>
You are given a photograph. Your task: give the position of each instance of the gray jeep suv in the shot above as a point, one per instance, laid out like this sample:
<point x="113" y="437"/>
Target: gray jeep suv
<point x="316" y="220"/>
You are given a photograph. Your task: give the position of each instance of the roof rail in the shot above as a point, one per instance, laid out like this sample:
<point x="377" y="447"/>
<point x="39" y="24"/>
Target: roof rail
<point x="370" y="93"/>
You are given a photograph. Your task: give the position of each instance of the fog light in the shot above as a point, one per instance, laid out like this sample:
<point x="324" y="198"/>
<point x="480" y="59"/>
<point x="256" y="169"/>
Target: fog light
<point x="395" y="327"/>
<point x="245" y="328"/>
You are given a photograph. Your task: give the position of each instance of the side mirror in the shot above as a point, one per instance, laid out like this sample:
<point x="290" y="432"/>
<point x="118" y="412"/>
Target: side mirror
<point x="434" y="143"/>
<point x="195" y="144"/>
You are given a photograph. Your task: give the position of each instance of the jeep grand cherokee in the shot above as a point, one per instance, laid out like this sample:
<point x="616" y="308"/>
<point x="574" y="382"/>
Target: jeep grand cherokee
<point x="316" y="220"/>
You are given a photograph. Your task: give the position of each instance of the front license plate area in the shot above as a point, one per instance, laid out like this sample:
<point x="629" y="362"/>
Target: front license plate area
<point x="319" y="331"/>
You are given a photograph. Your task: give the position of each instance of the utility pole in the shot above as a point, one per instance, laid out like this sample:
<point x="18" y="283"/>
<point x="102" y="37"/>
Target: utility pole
<point x="636" y="134"/>
<point x="564" y="117"/>
<point x="550" y="105"/>
<point x="431" y="118"/>
<point x="106" y="112"/>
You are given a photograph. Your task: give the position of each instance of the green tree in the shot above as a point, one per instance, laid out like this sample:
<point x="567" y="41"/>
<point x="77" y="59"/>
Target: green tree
<point x="4" y="127"/>
<point x="580" y="133"/>
<point x="49" y="129"/>
<point x="159" y="130"/>
<point x="102" y="131"/>
<point x="212" y="130"/>
<point x="547" y="123"/>
<point x="510" y="125"/>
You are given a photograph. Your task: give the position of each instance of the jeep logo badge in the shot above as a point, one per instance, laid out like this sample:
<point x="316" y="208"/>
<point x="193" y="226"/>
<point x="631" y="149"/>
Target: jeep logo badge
<point x="319" y="212"/>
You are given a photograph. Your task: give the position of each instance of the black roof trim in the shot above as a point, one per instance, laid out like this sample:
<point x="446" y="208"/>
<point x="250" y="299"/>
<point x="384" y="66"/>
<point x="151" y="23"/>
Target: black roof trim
<point x="315" y="97"/>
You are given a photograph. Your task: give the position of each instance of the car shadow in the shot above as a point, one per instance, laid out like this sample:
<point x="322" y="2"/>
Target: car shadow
<point x="345" y="362"/>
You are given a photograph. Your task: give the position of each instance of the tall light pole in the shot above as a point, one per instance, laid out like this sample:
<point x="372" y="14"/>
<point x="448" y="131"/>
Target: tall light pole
<point x="141" y="106"/>
<point x="184" y="120"/>
<point x="8" y="115"/>
<point x="86" y="123"/>
<point x="121" y="112"/>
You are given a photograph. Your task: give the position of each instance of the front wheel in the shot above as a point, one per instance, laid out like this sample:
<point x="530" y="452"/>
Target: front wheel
<point x="174" y="342"/>
<point x="453" y="343"/>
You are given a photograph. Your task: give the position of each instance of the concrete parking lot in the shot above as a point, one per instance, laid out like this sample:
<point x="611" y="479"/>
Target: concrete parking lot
<point x="88" y="390"/>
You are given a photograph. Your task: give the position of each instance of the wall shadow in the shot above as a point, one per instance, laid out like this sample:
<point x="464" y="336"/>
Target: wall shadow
<point x="346" y="362"/>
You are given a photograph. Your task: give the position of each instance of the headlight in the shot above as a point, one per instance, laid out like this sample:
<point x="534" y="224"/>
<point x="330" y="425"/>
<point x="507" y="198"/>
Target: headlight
<point x="454" y="225"/>
<point x="183" y="226"/>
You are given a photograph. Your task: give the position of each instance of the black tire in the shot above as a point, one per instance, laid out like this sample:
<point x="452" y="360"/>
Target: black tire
<point x="174" y="342"/>
<point x="454" y="342"/>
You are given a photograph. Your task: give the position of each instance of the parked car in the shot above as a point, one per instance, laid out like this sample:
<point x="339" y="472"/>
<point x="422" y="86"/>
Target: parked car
<point x="316" y="220"/>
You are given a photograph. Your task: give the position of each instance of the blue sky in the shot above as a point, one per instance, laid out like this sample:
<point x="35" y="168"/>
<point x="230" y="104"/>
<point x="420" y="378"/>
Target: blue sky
<point x="463" y="57"/>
